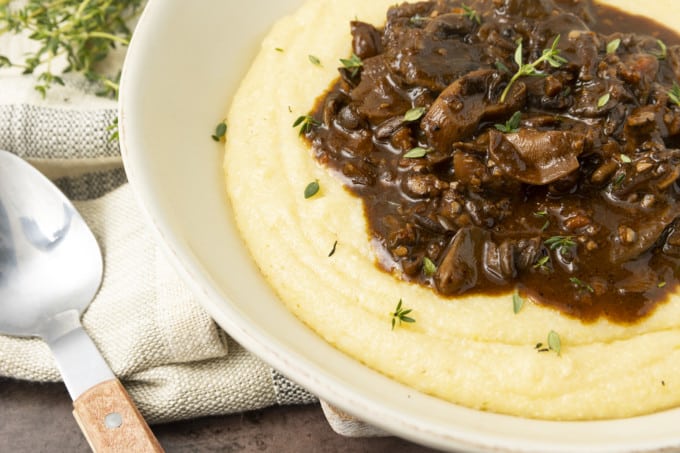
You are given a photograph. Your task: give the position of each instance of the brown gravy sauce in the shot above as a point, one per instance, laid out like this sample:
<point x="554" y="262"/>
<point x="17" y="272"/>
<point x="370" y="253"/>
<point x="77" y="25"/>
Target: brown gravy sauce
<point x="575" y="207"/>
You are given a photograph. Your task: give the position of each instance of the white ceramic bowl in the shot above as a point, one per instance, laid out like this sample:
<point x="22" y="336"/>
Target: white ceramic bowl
<point x="184" y="64"/>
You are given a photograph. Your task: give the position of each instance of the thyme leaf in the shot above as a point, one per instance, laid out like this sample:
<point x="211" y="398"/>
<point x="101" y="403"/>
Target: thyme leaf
<point x="314" y="60"/>
<point x="662" y="53"/>
<point x="542" y="262"/>
<point x="429" y="268"/>
<point x="416" y="153"/>
<point x="414" y="114"/>
<point x="312" y="189"/>
<point x="613" y="45"/>
<point x="220" y="131"/>
<point x="517" y="303"/>
<point x="603" y="100"/>
<point x="554" y="342"/>
<point x="113" y="130"/>
<point x="543" y="214"/>
<point x="674" y="94"/>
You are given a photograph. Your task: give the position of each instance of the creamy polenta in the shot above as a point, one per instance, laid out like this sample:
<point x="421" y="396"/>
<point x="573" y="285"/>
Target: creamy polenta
<point x="474" y="351"/>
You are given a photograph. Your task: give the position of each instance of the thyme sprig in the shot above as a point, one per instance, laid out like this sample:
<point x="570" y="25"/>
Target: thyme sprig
<point x="400" y="314"/>
<point x="306" y="123"/>
<point x="551" y="56"/>
<point x="81" y="32"/>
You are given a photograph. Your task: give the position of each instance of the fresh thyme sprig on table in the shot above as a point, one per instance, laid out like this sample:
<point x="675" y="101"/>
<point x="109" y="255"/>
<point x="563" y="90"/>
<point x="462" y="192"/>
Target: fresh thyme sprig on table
<point x="550" y="56"/>
<point x="83" y="32"/>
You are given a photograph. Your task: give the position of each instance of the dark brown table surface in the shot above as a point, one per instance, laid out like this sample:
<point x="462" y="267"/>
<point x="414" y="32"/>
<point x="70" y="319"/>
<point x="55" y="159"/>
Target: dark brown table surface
<point x="37" y="418"/>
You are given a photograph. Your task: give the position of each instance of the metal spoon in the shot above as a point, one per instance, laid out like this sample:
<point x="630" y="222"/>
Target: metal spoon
<point x="50" y="269"/>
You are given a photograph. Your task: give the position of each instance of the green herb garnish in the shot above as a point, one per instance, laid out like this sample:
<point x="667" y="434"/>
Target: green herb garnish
<point x="581" y="284"/>
<point x="414" y="114"/>
<point x="314" y="60"/>
<point x="554" y="342"/>
<point x="560" y="243"/>
<point x="619" y="179"/>
<point x="416" y="153"/>
<point x="550" y="56"/>
<point x="278" y="49"/>
<point x="541" y="263"/>
<point x="663" y="50"/>
<point x="113" y="130"/>
<point x="602" y="101"/>
<point x="220" y="131"/>
<point x="517" y="303"/>
<point x="471" y="14"/>
<point x="352" y="64"/>
<point x="83" y="32"/>
<point x="400" y="314"/>
<point x="543" y="214"/>
<point x="613" y="45"/>
<point x="511" y="125"/>
<point x="501" y="66"/>
<point x="674" y="94"/>
<point x="306" y="122"/>
<point x="429" y="268"/>
<point x="311" y="189"/>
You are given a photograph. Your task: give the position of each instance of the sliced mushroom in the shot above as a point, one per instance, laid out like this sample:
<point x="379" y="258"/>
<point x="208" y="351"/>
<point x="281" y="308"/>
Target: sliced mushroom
<point x="456" y="113"/>
<point x="536" y="157"/>
<point x="459" y="270"/>
<point x="647" y="234"/>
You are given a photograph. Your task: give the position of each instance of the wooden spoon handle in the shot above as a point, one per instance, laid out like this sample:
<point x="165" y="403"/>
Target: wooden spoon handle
<point x="110" y="421"/>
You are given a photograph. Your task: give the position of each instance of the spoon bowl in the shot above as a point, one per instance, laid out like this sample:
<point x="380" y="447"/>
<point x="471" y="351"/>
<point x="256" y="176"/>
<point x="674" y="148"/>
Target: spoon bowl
<point x="50" y="262"/>
<point x="51" y="268"/>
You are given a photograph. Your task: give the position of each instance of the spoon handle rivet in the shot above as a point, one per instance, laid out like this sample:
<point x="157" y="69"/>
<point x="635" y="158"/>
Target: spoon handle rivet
<point x="113" y="420"/>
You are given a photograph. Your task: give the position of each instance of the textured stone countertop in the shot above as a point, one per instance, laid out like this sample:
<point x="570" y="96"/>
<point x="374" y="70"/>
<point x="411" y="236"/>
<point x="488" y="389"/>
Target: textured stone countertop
<point x="37" y="418"/>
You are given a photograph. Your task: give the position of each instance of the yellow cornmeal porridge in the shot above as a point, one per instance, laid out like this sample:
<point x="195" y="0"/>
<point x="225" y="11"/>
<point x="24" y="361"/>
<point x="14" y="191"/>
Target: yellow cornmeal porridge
<point x="474" y="351"/>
